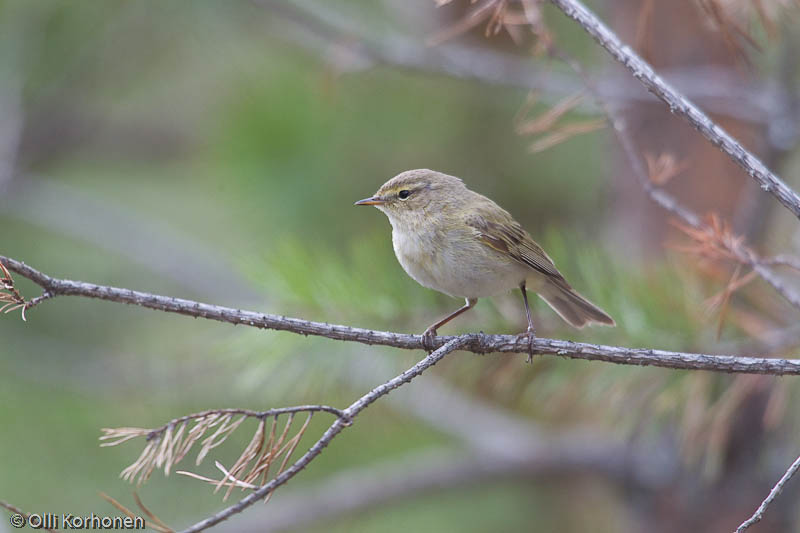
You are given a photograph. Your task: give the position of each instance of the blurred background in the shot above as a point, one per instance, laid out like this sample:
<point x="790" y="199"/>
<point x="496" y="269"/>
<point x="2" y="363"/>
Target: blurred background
<point x="213" y="150"/>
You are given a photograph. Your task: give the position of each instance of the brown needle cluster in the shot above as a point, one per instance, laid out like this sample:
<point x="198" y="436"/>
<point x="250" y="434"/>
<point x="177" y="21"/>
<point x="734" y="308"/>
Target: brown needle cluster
<point x="10" y="298"/>
<point x="499" y="15"/>
<point x="169" y="444"/>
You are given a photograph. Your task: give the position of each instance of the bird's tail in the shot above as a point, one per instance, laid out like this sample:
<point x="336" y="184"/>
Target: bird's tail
<point x="572" y="307"/>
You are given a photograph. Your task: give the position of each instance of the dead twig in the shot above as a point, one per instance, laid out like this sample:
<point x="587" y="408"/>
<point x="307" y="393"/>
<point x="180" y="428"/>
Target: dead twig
<point x="20" y="518"/>
<point x="169" y="444"/>
<point x="10" y="298"/>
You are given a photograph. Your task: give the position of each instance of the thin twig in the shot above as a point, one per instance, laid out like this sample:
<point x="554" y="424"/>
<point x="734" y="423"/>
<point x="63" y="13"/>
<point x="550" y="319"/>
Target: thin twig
<point x="479" y="344"/>
<point x="338" y="425"/>
<point x="679" y="104"/>
<point x="776" y="490"/>
<point x="20" y="518"/>
<point x="250" y="414"/>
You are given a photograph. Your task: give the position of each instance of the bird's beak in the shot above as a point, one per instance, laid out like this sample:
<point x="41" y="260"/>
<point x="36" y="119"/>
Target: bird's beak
<point x="374" y="200"/>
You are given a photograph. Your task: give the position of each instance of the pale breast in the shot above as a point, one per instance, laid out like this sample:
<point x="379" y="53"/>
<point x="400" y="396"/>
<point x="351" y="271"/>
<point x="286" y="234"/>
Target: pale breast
<point x="456" y="264"/>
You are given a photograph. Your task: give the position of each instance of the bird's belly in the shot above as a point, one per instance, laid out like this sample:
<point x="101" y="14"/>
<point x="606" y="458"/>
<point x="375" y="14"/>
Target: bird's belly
<point x="469" y="270"/>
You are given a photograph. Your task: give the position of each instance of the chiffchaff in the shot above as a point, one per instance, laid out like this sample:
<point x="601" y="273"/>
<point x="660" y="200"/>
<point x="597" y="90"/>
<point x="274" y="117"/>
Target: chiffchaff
<point x="456" y="241"/>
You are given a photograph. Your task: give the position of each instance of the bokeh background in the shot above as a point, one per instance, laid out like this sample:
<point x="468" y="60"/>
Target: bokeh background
<point x="213" y="150"/>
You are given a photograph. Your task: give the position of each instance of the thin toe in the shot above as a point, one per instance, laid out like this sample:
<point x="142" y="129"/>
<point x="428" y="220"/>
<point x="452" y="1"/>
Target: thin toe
<point x="428" y="340"/>
<point x="531" y="335"/>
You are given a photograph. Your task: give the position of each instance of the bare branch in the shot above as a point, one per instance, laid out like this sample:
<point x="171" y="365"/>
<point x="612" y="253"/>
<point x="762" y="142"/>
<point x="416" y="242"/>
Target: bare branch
<point x="338" y="425"/>
<point x="679" y="104"/>
<point x="776" y="490"/>
<point x="480" y="344"/>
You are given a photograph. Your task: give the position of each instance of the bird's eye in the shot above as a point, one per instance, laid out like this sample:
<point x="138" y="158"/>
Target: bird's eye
<point x="404" y="194"/>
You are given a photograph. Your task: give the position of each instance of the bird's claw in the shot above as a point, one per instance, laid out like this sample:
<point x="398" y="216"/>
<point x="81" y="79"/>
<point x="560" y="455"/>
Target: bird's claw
<point x="531" y="335"/>
<point x="428" y="340"/>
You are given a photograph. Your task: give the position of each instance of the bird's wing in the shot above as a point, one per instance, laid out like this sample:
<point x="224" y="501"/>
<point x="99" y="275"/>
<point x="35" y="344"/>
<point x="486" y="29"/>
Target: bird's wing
<point x="508" y="236"/>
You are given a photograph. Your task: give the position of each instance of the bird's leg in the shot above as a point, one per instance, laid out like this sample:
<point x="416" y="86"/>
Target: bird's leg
<point x="531" y="329"/>
<point x="430" y="333"/>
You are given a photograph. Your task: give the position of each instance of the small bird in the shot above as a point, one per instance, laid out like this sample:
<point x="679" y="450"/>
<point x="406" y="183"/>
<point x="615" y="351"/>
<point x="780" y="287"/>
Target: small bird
<point x="456" y="241"/>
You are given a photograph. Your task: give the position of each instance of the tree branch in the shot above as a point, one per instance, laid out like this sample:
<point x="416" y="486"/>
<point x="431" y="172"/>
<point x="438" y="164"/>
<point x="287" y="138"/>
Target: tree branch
<point x="338" y="425"/>
<point x="479" y="344"/>
<point x="776" y="490"/>
<point x="679" y="104"/>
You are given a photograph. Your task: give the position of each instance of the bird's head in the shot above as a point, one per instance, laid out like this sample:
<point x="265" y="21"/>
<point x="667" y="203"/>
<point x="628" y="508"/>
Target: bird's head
<point x="415" y="193"/>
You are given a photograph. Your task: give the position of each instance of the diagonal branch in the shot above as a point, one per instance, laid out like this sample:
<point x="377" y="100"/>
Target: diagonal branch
<point x="774" y="493"/>
<point x="338" y="425"/>
<point x="679" y="104"/>
<point x="479" y="344"/>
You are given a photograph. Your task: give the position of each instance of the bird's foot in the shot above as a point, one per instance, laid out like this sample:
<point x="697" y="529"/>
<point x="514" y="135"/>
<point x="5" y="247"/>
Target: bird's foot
<point x="427" y="340"/>
<point x="530" y="334"/>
